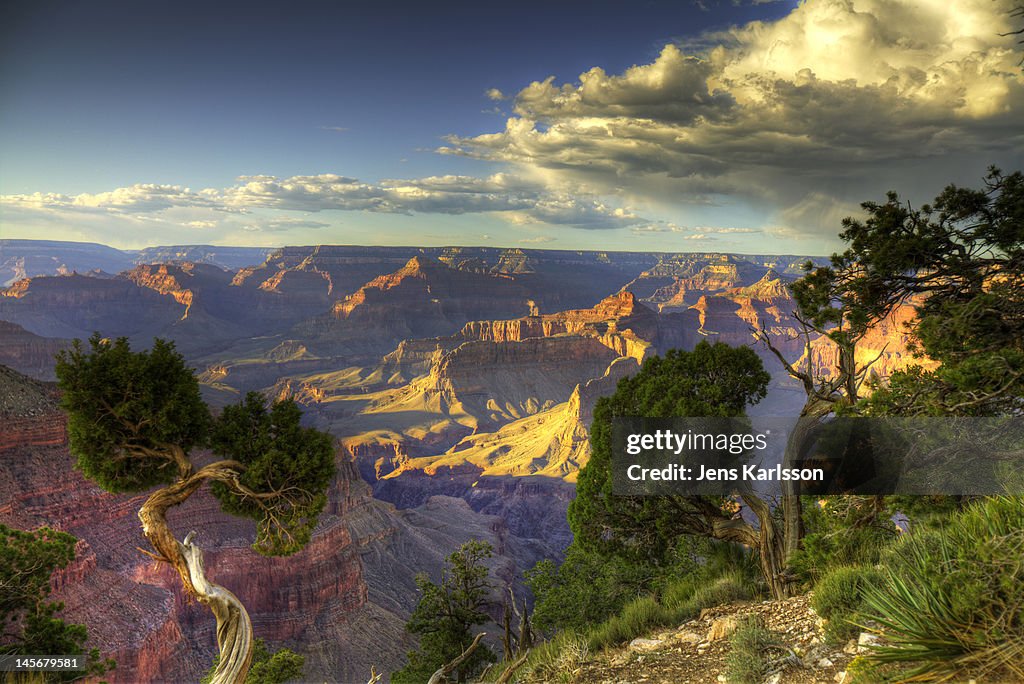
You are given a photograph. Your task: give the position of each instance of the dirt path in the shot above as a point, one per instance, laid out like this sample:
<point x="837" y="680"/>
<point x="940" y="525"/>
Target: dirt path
<point x="695" y="652"/>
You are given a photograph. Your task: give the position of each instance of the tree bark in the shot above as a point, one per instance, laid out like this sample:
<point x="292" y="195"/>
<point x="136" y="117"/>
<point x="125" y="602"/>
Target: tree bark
<point x="234" y="629"/>
<point x="771" y="548"/>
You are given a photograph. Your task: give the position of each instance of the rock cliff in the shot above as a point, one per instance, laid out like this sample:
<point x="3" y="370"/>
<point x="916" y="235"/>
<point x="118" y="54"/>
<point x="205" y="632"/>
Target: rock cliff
<point x="27" y="353"/>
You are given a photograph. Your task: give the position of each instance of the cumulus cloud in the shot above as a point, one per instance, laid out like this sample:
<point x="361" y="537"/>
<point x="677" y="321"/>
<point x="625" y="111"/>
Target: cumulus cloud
<point x="808" y="115"/>
<point x="138" y="198"/>
<point x="517" y="199"/>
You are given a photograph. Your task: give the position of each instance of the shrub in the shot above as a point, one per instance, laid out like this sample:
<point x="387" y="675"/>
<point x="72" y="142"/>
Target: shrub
<point x="747" y="662"/>
<point x="839" y="598"/>
<point x="838" y="536"/>
<point x="951" y="602"/>
<point x="595" y="586"/>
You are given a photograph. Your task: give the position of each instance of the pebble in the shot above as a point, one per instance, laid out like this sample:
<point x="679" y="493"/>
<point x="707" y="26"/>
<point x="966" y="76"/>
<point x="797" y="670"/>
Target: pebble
<point x="865" y="641"/>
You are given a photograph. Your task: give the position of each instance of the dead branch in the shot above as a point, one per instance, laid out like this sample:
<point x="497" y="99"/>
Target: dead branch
<point x="441" y="675"/>
<point x="511" y="669"/>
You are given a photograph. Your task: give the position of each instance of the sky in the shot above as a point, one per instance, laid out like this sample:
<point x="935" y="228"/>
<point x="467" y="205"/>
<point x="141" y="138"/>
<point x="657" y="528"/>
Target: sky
<point x="719" y="125"/>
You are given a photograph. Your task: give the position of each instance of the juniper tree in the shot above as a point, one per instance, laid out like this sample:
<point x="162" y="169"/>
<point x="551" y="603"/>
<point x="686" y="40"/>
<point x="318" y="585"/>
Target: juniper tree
<point x="136" y="421"/>
<point x="447" y="613"/>
<point x="28" y="619"/>
<point x="714" y="381"/>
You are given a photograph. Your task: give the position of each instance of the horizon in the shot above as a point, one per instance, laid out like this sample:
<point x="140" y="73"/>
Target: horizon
<point x="704" y="126"/>
<point x="413" y="246"/>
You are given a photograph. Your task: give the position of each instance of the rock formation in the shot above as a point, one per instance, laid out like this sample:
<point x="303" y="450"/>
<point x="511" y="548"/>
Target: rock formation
<point x="30" y="354"/>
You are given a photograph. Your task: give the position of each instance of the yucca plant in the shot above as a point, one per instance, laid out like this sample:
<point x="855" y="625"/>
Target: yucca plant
<point x="952" y="602"/>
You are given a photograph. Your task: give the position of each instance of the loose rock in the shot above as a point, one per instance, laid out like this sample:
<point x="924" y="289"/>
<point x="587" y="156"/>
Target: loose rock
<point x="722" y="627"/>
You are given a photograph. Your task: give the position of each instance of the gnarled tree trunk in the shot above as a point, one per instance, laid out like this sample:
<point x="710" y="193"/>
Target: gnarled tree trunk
<point x="234" y="629"/>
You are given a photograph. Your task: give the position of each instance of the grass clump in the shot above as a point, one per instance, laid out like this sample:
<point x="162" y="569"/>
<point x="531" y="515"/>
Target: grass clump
<point x="637" y="617"/>
<point x="726" y="589"/>
<point x="556" y="660"/>
<point x="951" y="603"/>
<point x="680" y="601"/>
<point x="749" y="646"/>
<point x="839" y="598"/>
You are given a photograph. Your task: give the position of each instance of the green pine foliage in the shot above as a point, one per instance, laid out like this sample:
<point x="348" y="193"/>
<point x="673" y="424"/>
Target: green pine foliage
<point x="29" y="621"/>
<point x="279" y="455"/>
<point x="966" y="252"/>
<point x="712" y="380"/>
<point x="125" y="407"/>
<point x="134" y="418"/>
<point x="446" y="615"/>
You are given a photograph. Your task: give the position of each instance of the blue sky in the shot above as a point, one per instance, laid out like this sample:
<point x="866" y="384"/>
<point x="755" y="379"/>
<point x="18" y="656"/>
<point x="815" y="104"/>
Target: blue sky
<point x="597" y="125"/>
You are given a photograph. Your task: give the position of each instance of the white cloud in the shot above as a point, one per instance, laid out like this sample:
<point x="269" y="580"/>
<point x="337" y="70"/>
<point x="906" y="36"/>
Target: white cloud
<point x="516" y="198"/>
<point x="833" y="104"/>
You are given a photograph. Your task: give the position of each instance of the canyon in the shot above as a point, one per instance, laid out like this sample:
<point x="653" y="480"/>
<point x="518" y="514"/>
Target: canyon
<point x="458" y="383"/>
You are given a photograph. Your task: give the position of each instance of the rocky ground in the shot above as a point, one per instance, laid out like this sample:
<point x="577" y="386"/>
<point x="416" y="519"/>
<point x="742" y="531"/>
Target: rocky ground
<point x="695" y="652"/>
<point x="21" y="397"/>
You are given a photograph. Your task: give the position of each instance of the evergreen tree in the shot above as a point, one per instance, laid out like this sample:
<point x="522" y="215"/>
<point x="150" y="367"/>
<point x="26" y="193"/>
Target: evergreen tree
<point x="28" y="620"/>
<point x="133" y="420"/>
<point x="714" y="381"/>
<point x="446" y="615"/>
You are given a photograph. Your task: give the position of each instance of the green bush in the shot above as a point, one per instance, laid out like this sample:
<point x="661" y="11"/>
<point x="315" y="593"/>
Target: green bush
<point x="839" y="598"/>
<point x="838" y="536"/>
<point x="594" y="585"/>
<point x="747" y="662"/>
<point x="951" y="605"/>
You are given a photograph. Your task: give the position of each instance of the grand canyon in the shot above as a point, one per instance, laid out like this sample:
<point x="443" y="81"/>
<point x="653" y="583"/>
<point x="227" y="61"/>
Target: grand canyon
<point x="458" y="384"/>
